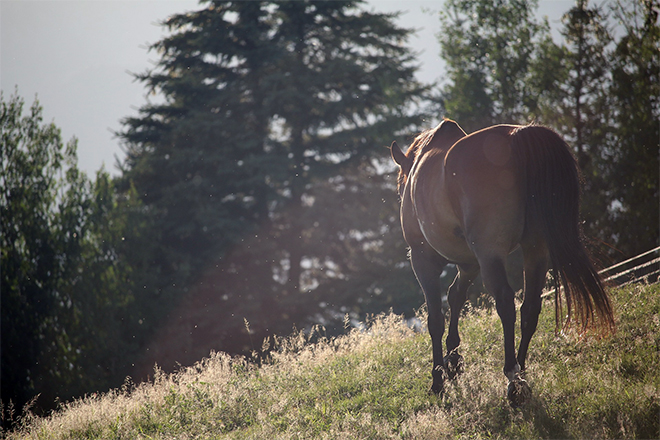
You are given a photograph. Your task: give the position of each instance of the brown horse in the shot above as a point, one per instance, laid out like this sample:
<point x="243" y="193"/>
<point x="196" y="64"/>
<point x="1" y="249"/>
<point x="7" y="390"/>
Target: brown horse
<point x="472" y="200"/>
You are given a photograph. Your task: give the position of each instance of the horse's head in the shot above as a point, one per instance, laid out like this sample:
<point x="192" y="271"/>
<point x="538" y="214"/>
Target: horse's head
<point x="442" y="136"/>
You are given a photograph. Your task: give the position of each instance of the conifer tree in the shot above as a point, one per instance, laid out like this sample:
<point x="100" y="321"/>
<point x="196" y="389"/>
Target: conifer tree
<point x="266" y="106"/>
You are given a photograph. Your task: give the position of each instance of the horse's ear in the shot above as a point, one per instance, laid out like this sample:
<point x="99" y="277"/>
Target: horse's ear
<point x="400" y="158"/>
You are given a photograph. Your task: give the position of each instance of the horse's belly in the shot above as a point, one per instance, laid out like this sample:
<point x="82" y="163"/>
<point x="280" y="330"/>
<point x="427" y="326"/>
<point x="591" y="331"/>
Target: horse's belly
<point x="447" y="239"/>
<point x="439" y="224"/>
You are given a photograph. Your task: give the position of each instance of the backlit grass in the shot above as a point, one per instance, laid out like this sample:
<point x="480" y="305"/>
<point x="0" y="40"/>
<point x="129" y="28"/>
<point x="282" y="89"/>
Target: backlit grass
<point x="373" y="385"/>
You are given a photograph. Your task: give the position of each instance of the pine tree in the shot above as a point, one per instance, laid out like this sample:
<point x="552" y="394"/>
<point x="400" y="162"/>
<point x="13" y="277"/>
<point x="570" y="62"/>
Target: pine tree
<point x="267" y="104"/>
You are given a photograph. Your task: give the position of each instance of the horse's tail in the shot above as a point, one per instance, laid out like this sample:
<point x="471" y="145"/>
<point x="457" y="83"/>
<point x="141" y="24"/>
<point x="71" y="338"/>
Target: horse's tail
<point x="552" y="204"/>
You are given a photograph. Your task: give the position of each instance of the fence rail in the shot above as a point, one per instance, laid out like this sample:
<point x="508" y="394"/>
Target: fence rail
<point x="640" y="271"/>
<point x="635" y="273"/>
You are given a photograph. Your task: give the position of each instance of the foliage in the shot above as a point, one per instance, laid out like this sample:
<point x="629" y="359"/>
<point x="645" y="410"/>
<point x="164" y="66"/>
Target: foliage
<point x="373" y="383"/>
<point x="598" y="91"/>
<point x="67" y="295"/>
<point x="491" y="49"/>
<point x="31" y="161"/>
<point x="634" y="167"/>
<point x="578" y="105"/>
<point x="607" y="102"/>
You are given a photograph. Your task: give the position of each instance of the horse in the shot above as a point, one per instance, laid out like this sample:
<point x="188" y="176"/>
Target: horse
<point x="471" y="200"/>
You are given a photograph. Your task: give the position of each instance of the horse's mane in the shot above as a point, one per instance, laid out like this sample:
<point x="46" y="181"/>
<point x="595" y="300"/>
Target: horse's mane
<point x="414" y="151"/>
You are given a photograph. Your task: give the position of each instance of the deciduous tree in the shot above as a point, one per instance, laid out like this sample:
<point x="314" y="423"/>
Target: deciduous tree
<point x="69" y="322"/>
<point x="490" y="48"/>
<point x="577" y="104"/>
<point x="634" y="169"/>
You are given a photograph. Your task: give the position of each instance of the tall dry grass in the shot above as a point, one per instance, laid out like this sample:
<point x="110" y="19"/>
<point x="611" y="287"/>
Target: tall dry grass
<point x="372" y="384"/>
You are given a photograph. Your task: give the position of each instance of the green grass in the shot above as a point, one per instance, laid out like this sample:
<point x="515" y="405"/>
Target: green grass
<point x="373" y="385"/>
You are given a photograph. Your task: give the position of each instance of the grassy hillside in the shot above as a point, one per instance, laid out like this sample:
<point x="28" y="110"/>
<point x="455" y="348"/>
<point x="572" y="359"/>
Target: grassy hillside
<point x="373" y="384"/>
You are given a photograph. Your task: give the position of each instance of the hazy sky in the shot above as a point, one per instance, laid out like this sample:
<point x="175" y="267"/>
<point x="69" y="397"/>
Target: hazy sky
<point x="76" y="56"/>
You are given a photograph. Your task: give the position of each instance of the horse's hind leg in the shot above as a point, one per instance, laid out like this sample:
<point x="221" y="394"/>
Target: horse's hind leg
<point x="428" y="266"/>
<point x="457" y="297"/>
<point x="493" y="273"/>
<point x="494" y="276"/>
<point x="536" y="267"/>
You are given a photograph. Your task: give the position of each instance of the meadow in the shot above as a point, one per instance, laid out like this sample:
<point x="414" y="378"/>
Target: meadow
<point x="372" y="383"/>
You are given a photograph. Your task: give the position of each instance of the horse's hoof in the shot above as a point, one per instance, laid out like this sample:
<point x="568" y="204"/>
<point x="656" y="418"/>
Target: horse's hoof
<point x="437" y="389"/>
<point x="454" y="364"/>
<point x="439" y="375"/>
<point x="518" y="393"/>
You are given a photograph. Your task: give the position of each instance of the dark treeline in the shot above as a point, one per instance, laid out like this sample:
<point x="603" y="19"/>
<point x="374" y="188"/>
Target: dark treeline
<point x="258" y="196"/>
